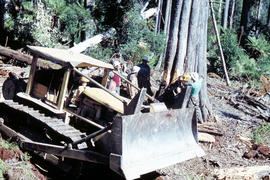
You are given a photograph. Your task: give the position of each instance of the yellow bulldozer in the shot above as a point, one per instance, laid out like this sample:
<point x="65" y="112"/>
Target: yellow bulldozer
<point x="77" y="117"/>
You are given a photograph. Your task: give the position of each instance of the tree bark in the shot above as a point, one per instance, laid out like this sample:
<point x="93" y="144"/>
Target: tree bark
<point x="190" y="62"/>
<point x="258" y="18"/>
<point x="268" y="17"/>
<point x="219" y="16"/>
<point x="189" y="37"/>
<point x="158" y="18"/>
<point x="166" y="31"/>
<point x="225" y="14"/>
<point x="232" y="14"/>
<point x="173" y="40"/>
<point x="183" y="39"/>
<point x="205" y="105"/>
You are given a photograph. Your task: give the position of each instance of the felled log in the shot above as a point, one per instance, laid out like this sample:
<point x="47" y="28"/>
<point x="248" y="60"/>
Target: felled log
<point x="78" y="48"/>
<point x="26" y="58"/>
<point x="46" y="64"/>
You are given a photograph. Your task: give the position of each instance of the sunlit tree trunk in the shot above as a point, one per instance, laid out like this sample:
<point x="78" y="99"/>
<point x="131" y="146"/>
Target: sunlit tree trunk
<point x="219" y="15"/>
<point x="168" y="5"/>
<point x="225" y="14"/>
<point x="232" y="14"/>
<point x="183" y="38"/>
<point x="191" y="41"/>
<point x="173" y="39"/>
<point x="158" y="17"/>
<point x="258" y="17"/>
<point x="268" y="17"/>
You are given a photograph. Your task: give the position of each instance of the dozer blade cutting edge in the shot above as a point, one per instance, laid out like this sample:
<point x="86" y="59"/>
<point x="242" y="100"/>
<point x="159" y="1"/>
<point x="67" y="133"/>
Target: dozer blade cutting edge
<point x="149" y="141"/>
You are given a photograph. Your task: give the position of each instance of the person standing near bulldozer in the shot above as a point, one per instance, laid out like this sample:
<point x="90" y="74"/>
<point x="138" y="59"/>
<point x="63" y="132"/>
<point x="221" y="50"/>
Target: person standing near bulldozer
<point x="144" y="75"/>
<point x="195" y="81"/>
<point x="115" y="81"/>
<point x="132" y="77"/>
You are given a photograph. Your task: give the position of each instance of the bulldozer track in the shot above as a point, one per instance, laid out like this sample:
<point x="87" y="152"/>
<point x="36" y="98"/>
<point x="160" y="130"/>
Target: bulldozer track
<point x="56" y="125"/>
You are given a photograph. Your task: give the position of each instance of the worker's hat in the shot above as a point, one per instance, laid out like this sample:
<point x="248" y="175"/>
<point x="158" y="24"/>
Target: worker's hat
<point x="145" y="58"/>
<point x="185" y="77"/>
<point x="116" y="63"/>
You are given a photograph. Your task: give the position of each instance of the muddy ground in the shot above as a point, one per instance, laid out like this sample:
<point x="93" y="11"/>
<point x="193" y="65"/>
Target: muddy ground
<point x="227" y="152"/>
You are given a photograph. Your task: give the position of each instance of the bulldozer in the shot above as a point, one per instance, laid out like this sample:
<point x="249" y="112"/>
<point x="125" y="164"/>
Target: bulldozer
<point x="72" y="115"/>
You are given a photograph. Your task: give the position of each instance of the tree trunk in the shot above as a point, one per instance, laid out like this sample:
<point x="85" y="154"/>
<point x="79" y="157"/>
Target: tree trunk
<point x="268" y="17"/>
<point x="190" y="63"/>
<point x="173" y="40"/>
<point x="244" y="18"/>
<point x="92" y="41"/>
<point x="232" y="14"/>
<point x="26" y="58"/>
<point x="166" y="30"/>
<point x="2" y="14"/>
<point x="191" y="43"/>
<point x="158" y="18"/>
<point x="201" y="59"/>
<point x="183" y="38"/>
<point x="219" y="16"/>
<point x="225" y="14"/>
<point x="258" y="17"/>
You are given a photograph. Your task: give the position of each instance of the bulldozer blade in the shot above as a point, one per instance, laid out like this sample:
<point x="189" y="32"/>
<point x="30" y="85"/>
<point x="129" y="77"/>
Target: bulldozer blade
<point x="150" y="141"/>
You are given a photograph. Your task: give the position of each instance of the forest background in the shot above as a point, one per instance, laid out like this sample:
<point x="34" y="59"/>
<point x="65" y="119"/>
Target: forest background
<point x="244" y="29"/>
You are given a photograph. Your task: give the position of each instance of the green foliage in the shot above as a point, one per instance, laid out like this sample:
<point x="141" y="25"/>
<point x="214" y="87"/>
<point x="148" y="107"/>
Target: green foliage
<point x="138" y="40"/>
<point x="246" y="64"/>
<point x="262" y="134"/>
<point x="258" y="47"/>
<point x="52" y="24"/>
<point x="3" y="168"/>
<point x="42" y="33"/>
<point x="75" y="19"/>
<point x="135" y="38"/>
<point x="10" y="146"/>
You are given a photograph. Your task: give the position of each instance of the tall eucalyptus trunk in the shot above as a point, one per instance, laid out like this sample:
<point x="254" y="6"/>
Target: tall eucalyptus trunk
<point x="225" y="14"/>
<point x="268" y="17"/>
<point x="173" y="39"/>
<point x="168" y="5"/>
<point x="258" y="17"/>
<point x="186" y="50"/>
<point x="219" y="15"/>
<point x="232" y="14"/>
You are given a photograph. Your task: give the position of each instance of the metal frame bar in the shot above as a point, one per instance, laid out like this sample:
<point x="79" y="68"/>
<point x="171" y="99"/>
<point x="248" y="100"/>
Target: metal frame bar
<point x="32" y="75"/>
<point x="100" y="86"/>
<point x="122" y="77"/>
<point x="63" y="90"/>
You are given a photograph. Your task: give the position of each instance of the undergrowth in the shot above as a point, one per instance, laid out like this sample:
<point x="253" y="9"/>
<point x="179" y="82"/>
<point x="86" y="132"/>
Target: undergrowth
<point x="262" y="134"/>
